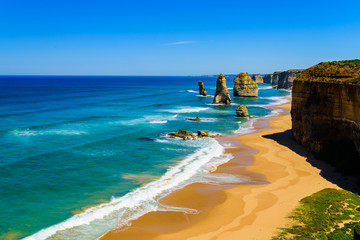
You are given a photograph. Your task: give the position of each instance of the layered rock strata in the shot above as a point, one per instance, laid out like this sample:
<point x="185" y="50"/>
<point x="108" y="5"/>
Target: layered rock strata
<point x="326" y="113"/>
<point x="222" y="95"/>
<point x="258" y="78"/>
<point x="202" y="90"/>
<point x="244" y="86"/>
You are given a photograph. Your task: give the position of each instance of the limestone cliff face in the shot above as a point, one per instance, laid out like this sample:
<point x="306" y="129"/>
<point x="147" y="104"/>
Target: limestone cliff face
<point x="245" y="86"/>
<point x="268" y="78"/>
<point x="325" y="113"/>
<point x="287" y="78"/>
<point x="222" y="95"/>
<point x="275" y="79"/>
<point x="202" y="90"/>
<point x="258" y="78"/>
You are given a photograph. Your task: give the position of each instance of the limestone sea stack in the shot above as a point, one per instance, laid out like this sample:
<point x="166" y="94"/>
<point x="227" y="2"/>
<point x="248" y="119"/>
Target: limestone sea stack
<point x="241" y="111"/>
<point x="325" y="113"/>
<point x="244" y="86"/>
<point x="202" y="90"/>
<point x="287" y="78"/>
<point x="268" y="78"/>
<point x="222" y="95"/>
<point x="275" y="79"/>
<point x="258" y="78"/>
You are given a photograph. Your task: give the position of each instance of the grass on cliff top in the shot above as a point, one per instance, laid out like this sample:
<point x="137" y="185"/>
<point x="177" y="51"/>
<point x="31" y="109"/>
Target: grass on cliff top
<point x="326" y="215"/>
<point x="347" y="72"/>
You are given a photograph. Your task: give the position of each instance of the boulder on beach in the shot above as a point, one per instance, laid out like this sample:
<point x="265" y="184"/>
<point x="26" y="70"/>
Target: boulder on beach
<point x="222" y="95"/>
<point x="241" y="111"/>
<point x="202" y="90"/>
<point x="244" y="86"/>
<point x="202" y="134"/>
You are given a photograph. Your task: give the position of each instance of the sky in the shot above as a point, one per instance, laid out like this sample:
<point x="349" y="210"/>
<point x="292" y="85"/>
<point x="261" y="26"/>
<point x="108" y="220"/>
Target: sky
<point x="174" y="37"/>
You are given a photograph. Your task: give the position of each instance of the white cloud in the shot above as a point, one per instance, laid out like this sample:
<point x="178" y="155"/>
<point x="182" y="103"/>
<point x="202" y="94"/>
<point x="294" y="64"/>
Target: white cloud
<point x="182" y="42"/>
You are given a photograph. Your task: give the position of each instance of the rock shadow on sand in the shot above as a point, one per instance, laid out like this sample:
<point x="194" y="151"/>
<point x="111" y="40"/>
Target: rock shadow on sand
<point x="327" y="171"/>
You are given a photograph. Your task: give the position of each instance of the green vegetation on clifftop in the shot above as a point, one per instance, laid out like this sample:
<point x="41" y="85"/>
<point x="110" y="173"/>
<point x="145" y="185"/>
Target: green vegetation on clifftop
<point x="326" y="215"/>
<point x="347" y="72"/>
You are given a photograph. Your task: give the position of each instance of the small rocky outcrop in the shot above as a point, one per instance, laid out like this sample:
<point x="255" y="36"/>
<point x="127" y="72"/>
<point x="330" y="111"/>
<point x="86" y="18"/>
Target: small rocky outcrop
<point x="222" y="95"/>
<point x="258" y="78"/>
<point x="202" y="90"/>
<point x="183" y="134"/>
<point x="268" y="78"/>
<point x="325" y="113"/>
<point x="244" y="86"/>
<point x="197" y="119"/>
<point x="241" y="111"/>
<point x="287" y="78"/>
<point x="202" y="134"/>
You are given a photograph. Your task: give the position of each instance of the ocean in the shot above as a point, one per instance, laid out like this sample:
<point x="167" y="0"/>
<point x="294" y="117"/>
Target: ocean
<point x="81" y="155"/>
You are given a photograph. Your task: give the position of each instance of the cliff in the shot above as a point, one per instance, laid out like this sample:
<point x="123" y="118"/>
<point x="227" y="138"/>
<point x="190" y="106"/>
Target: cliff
<point x="258" y="78"/>
<point x="222" y="95"/>
<point x="275" y="79"/>
<point x="268" y="78"/>
<point x="244" y="86"/>
<point x="287" y="78"/>
<point x="325" y="113"/>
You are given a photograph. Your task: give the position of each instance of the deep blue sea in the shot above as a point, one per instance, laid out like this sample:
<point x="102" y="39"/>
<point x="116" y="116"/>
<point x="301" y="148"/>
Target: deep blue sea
<point x="81" y="155"/>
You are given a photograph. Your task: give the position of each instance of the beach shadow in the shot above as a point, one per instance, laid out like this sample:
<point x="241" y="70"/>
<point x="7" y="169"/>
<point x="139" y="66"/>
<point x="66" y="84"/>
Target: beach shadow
<point x="328" y="172"/>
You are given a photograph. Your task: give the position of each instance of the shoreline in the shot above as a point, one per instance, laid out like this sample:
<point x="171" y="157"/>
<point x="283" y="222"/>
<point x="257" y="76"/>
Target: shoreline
<point x="278" y="179"/>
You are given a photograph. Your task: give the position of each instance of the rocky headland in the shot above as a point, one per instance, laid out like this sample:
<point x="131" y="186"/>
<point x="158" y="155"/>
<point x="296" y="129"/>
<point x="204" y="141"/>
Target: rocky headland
<point x="222" y="95"/>
<point x="286" y="78"/>
<point x="245" y="86"/>
<point x="258" y="78"/>
<point x="202" y="90"/>
<point x="268" y="78"/>
<point x="326" y="113"/>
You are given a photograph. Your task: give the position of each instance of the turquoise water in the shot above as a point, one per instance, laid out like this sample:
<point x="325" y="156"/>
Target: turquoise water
<point x="67" y="143"/>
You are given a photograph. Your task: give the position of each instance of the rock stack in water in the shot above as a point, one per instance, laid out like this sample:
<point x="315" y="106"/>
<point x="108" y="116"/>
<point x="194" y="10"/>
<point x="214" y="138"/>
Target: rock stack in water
<point x="268" y="78"/>
<point x="241" y="111"/>
<point x="222" y="95"/>
<point x="258" y="78"/>
<point x="244" y="86"/>
<point x="202" y="90"/>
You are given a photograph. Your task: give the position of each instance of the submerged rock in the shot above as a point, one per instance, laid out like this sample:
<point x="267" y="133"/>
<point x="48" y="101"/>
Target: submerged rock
<point x="183" y="134"/>
<point x="222" y="95"/>
<point x="244" y="86"/>
<point x="241" y="111"/>
<point x="197" y="119"/>
<point x="258" y="78"/>
<point x="202" y="90"/>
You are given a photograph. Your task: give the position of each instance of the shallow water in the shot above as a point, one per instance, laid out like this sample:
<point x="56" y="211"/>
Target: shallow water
<point x="67" y="143"/>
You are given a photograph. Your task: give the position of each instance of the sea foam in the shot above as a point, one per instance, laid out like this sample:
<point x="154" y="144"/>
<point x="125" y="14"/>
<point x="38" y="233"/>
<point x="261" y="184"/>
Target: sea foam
<point x="99" y="219"/>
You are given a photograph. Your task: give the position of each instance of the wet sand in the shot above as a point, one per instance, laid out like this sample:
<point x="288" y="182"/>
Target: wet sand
<point x="276" y="179"/>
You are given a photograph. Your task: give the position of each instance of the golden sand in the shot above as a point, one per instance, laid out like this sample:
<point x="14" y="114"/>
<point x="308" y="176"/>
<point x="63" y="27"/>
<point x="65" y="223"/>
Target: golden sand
<point x="280" y="177"/>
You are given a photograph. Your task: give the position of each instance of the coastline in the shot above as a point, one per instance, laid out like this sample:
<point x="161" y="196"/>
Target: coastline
<point x="278" y="179"/>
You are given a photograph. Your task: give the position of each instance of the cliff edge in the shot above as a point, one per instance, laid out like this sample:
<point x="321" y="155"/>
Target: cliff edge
<point x="325" y="113"/>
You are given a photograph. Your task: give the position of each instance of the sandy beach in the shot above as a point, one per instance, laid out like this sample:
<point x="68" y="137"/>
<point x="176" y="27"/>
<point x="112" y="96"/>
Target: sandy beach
<point x="279" y="174"/>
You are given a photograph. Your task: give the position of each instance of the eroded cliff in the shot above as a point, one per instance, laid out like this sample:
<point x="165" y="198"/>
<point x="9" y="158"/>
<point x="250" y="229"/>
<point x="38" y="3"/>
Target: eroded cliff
<point x="286" y="78"/>
<point x="325" y="113"/>
<point x="245" y="86"/>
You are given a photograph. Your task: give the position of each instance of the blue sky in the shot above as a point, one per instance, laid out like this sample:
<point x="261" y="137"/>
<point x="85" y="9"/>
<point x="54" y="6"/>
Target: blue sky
<point x="44" y="37"/>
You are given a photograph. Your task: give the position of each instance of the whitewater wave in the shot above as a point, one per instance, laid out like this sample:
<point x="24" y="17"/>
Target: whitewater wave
<point x="187" y="110"/>
<point x="28" y="132"/>
<point x="192" y="91"/>
<point x="97" y="220"/>
<point x="265" y="87"/>
<point x="159" y="121"/>
<point x="275" y="101"/>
